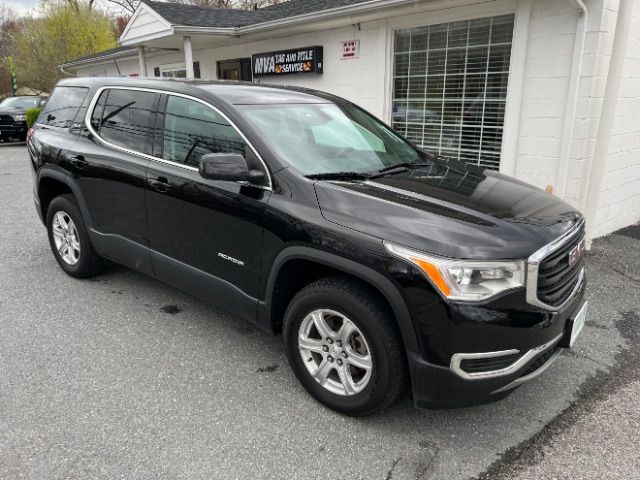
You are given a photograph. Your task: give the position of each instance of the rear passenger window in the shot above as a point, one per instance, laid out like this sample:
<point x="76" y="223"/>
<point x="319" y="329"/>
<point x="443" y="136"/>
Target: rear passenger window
<point x="128" y="119"/>
<point x="62" y="106"/>
<point x="192" y="130"/>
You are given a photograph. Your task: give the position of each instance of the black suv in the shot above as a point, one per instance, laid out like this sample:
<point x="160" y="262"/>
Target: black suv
<point x="13" y="118"/>
<point x="382" y="265"/>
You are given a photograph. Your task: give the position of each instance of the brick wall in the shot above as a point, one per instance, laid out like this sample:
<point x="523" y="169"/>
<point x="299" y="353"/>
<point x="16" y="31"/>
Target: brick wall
<point x="620" y="198"/>
<point x="547" y="78"/>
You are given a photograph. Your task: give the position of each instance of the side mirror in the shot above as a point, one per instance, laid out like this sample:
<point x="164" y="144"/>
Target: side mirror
<point x="231" y="167"/>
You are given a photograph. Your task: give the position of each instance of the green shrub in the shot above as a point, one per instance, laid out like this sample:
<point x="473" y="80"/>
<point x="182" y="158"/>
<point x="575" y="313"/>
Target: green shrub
<point x="32" y="115"/>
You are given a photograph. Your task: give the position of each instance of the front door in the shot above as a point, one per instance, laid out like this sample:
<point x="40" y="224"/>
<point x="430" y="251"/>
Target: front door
<point x="206" y="235"/>
<point x="238" y="69"/>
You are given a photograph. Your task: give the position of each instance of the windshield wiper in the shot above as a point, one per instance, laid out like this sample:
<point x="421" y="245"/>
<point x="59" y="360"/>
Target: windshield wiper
<point x="398" y="168"/>
<point x="338" y="176"/>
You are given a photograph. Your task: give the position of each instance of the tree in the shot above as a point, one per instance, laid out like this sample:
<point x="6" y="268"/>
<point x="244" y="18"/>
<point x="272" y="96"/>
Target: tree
<point x="120" y="23"/>
<point x="9" y="26"/>
<point x="78" y="4"/>
<point x="131" y="5"/>
<point x="126" y="5"/>
<point x="63" y="32"/>
<point x="243" y="4"/>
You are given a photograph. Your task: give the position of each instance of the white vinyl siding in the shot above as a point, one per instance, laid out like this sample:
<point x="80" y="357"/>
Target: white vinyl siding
<point x="450" y="87"/>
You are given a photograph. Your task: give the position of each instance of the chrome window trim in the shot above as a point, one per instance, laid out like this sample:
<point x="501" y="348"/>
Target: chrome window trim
<point x="533" y="263"/>
<point x="92" y="106"/>
<point x="456" y="360"/>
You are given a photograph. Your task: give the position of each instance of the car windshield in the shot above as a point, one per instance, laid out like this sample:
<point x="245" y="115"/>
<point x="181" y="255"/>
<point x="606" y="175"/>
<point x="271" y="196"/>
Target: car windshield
<point x="328" y="138"/>
<point x="22" y="103"/>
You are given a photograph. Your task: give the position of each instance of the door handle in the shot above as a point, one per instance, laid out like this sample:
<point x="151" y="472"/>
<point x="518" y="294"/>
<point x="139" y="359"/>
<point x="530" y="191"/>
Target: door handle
<point x="77" y="161"/>
<point x="161" y="184"/>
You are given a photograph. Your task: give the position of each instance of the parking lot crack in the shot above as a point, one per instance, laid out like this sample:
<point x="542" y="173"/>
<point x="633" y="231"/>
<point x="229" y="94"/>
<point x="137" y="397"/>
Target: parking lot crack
<point x="393" y="467"/>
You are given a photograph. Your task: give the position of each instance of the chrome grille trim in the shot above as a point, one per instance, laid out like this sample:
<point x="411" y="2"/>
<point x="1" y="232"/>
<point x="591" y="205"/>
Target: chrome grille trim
<point x="533" y="263"/>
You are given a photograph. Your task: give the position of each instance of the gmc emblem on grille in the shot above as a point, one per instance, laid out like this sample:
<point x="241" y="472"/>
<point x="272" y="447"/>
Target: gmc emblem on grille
<point x="576" y="253"/>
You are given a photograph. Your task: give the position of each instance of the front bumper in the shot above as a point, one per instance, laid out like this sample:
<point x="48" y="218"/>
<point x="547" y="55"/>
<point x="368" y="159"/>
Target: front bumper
<point x="450" y="386"/>
<point x="14" y="131"/>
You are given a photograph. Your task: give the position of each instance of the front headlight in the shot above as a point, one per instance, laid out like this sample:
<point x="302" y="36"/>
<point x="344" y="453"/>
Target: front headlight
<point x="466" y="280"/>
<point x="19" y="118"/>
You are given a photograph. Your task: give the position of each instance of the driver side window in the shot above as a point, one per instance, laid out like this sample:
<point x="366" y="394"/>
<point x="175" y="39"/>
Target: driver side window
<point x="192" y="129"/>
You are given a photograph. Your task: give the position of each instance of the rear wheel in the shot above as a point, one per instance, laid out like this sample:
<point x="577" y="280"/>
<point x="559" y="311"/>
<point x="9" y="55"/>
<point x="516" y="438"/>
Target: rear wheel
<point x="343" y="345"/>
<point x="69" y="239"/>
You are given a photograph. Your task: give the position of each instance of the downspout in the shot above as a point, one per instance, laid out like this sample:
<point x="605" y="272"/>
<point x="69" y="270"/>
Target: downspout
<point x="568" y="125"/>
<point x="597" y="172"/>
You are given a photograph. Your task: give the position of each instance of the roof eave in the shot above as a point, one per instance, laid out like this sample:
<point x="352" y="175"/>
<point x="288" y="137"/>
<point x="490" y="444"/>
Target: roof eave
<point x="220" y="31"/>
<point x="102" y="58"/>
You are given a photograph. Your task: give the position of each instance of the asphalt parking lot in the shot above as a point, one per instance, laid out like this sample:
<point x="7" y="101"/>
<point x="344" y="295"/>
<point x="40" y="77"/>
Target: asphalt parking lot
<point x="124" y="377"/>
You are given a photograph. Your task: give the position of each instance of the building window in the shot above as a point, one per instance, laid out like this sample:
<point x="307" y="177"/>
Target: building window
<point x="176" y="71"/>
<point x="180" y="72"/>
<point x="450" y="87"/>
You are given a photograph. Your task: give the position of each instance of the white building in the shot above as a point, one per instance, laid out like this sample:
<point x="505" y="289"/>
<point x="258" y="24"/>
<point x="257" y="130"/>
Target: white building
<point x="544" y="90"/>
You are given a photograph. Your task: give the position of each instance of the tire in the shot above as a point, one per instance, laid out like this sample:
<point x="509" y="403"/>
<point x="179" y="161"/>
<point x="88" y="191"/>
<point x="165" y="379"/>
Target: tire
<point x="83" y="262"/>
<point x="338" y="302"/>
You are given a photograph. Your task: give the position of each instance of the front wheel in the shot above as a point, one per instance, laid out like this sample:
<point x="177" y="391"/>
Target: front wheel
<point x="343" y="345"/>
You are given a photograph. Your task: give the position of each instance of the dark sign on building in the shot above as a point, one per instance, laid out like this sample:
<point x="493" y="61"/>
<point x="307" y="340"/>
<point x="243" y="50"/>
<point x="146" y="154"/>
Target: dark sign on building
<point x="299" y="60"/>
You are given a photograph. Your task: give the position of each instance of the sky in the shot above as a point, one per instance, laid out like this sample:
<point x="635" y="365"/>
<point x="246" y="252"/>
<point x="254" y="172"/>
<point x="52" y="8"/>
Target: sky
<point x="22" y="7"/>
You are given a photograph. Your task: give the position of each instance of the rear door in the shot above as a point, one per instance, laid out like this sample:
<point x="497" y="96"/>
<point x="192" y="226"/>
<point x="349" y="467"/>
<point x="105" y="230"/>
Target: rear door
<point x="206" y="235"/>
<point x="109" y="165"/>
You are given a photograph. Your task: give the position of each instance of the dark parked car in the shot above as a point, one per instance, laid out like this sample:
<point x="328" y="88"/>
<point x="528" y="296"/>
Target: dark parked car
<point x="382" y="266"/>
<point x="13" y="120"/>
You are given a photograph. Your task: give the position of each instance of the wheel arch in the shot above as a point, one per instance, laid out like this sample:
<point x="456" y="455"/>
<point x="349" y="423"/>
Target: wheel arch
<point x="52" y="183"/>
<point x="271" y="310"/>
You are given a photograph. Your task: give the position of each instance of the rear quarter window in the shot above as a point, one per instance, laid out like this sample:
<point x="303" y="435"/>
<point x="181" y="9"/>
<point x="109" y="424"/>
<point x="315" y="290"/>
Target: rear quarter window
<point x="126" y="118"/>
<point x="62" y="106"/>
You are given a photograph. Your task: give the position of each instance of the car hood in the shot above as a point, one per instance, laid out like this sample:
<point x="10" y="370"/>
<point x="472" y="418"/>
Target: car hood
<point x="12" y="111"/>
<point x="450" y="209"/>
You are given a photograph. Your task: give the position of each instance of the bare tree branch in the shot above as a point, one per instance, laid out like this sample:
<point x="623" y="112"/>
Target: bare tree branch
<point x="126" y="5"/>
<point x="131" y="5"/>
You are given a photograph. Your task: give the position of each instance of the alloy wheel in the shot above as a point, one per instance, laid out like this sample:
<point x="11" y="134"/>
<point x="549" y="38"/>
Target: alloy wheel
<point x="335" y="352"/>
<point x="65" y="238"/>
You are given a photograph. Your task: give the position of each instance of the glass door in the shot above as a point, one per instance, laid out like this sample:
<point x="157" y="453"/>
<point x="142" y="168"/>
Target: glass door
<point x="238" y="69"/>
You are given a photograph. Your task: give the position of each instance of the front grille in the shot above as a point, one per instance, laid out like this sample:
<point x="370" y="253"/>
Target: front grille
<point x="489" y="364"/>
<point x="556" y="278"/>
<point x="6" y="120"/>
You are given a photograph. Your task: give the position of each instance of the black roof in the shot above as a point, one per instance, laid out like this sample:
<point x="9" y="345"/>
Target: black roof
<point x="194" y="16"/>
<point x="231" y="92"/>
